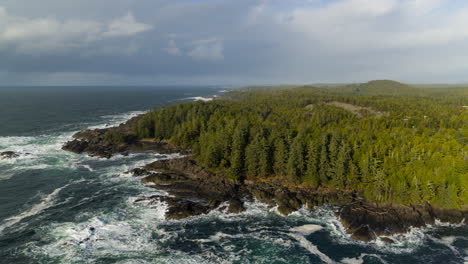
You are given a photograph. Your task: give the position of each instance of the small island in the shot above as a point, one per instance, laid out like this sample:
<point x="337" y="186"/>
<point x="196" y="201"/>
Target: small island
<point x="386" y="155"/>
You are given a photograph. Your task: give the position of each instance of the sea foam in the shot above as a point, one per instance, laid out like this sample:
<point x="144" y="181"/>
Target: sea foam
<point x="46" y="202"/>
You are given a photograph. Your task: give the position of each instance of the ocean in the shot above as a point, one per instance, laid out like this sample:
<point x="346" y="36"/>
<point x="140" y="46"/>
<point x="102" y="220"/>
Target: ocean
<point x="61" y="207"/>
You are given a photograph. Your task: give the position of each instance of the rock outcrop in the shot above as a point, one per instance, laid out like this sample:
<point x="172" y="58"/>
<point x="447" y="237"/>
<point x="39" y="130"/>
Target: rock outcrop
<point x="195" y="190"/>
<point x="366" y="220"/>
<point x="8" y="155"/>
<point x="94" y="142"/>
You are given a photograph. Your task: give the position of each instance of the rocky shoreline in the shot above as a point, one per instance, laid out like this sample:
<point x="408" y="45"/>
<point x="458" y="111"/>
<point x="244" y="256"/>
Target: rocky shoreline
<point x="94" y="143"/>
<point x="194" y="190"/>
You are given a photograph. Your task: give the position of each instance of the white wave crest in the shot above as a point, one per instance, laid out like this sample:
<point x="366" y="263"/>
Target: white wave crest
<point x="109" y="234"/>
<point x="447" y="241"/>
<point x="199" y="98"/>
<point x="360" y="259"/>
<point x="46" y="202"/>
<point x="299" y="233"/>
<point x="115" y="120"/>
<point x="45" y="151"/>
<point x="306" y="229"/>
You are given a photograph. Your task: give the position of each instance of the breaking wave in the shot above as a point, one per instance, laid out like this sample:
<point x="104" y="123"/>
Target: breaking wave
<point x="47" y="201"/>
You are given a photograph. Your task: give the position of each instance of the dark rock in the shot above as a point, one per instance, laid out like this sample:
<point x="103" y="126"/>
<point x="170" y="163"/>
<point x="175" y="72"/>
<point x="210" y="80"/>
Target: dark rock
<point x="76" y="146"/>
<point x="180" y="208"/>
<point x="8" y="155"/>
<point x="390" y="219"/>
<point x="94" y="142"/>
<point x="263" y="192"/>
<point x="213" y="203"/>
<point x="363" y="233"/>
<point x="387" y="240"/>
<point x="287" y="201"/>
<point x="189" y="182"/>
<point x="164" y="178"/>
<point x="235" y="206"/>
<point x="138" y="172"/>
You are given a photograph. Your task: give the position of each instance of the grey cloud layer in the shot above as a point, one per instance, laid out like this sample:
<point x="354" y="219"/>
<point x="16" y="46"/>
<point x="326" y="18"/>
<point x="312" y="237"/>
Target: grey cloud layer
<point x="235" y="41"/>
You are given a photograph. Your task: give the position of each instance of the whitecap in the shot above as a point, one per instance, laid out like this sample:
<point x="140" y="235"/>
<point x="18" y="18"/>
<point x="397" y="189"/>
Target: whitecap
<point x="116" y="119"/>
<point x="87" y="167"/>
<point x="439" y="223"/>
<point x="360" y="259"/>
<point x="447" y="241"/>
<point x="326" y="216"/>
<point x="127" y="232"/>
<point x="309" y="246"/>
<point x="199" y="98"/>
<point x="46" y="202"/>
<point x="306" y="229"/>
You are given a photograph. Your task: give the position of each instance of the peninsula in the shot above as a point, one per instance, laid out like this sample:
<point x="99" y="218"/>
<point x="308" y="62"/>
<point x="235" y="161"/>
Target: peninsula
<point x="385" y="155"/>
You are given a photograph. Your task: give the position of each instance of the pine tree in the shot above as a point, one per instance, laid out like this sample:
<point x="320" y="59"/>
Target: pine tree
<point x="311" y="174"/>
<point x="239" y="142"/>
<point x="252" y="161"/>
<point x="280" y="159"/>
<point x="265" y="158"/>
<point x="296" y="164"/>
<point x="324" y="165"/>
<point x="342" y="165"/>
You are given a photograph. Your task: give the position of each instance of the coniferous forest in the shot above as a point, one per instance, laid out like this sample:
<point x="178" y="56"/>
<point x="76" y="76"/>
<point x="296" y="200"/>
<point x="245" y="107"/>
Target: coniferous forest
<point x="391" y="141"/>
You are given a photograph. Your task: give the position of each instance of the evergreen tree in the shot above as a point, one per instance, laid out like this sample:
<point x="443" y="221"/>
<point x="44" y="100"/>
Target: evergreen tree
<point x="265" y="158"/>
<point x="342" y="165"/>
<point x="324" y="165"/>
<point x="281" y="156"/>
<point x="239" y="143"/>
<point x="296" y="164"/>
<point x="312" y="172"/>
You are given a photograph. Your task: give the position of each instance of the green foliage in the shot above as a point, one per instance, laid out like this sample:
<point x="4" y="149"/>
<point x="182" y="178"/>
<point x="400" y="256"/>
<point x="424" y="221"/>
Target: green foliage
<point x="114" y="137"/>
<point x="414" y="151"/>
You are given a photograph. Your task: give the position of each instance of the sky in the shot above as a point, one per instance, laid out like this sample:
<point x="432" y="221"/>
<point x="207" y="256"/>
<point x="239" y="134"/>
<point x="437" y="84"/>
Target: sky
<point x="232" y="42"/>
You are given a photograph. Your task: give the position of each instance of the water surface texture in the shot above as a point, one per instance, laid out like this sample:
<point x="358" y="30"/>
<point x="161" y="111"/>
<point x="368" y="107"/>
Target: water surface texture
<point x="61" y="207"/>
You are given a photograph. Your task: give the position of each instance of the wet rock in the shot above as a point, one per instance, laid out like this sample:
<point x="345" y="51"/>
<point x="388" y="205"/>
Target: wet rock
<point x="363" y="233"/>
<point x="235" y="206"/>
<point x="8" y="155"/>
<point x="138" y="172"/>
<point x="185" y="165"/>
<point x="385" y="219"/>
<point x="179" y="209"/>
<point x="76" y="146"/>
<point x="197" y="191"/>
<point x="164" y="178"/>
<point x="387" y="240"/>
<point x="213" y="203"/>
<point x="94" y="142"/>
<point x="263" y="192"/>
<point x="287" y="201"/>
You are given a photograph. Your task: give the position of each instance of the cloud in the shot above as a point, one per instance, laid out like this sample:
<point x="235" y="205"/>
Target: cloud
<point x="360" y="25"/>
<point x="207" y="49"/>
<point x="36" y="36"/>
<point x="269" y="41"/>
<point x="172" y="48"/>
<point x="125" y="26"/>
